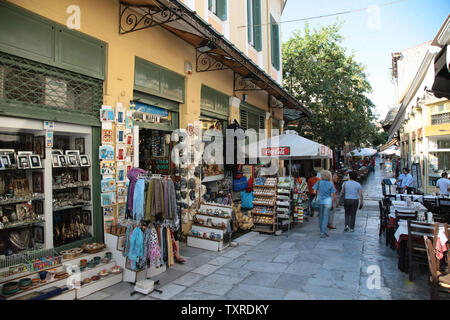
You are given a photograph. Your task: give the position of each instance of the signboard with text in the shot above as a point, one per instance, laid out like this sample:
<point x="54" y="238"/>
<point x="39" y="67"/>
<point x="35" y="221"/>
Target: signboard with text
<point x="280" y="151"/>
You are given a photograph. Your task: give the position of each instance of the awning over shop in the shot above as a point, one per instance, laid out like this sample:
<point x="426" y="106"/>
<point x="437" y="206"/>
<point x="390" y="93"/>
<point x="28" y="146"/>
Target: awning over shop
<point x="289" y="146"/>
<point x="364" y="152"/>
<point x="392" y="150"/>
<point x="441" y="85"/>
<point x="214" y="51"/>
<point x="389" y="144"/>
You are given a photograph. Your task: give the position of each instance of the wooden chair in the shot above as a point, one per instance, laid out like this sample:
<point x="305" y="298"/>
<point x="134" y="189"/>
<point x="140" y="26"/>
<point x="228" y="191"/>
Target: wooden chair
<point x="439" y="282"/>
<point x="430" y="204"/>
<point x="404" y="197"/>
<point x="416" y="246"/>
<point x="405" y="215"/>
<point x="443" y="212"/>
<point x="382" y="223"/>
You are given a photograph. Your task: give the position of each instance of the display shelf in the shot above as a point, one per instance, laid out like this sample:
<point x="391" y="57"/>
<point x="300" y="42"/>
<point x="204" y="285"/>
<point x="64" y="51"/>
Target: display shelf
<point x="61" y="282"/>
<point x="268" y="224"/>
<point x="255" y="202"/>
<point x="26" y="274"/>
<point x="21" y="225"/>
<point x="263" y="230"/>
<point x="38" y="196"/>
<point x="213" y="178"/>
<point x="71" y="186"/>
<point x="213" y="216"/>
<point x="207" y="244"/>
<point x="211" y="227"/>
<point x="262" y="214"/>
<point x="55" y="209"/>
<point x="100" y="284"/>
<point x="27" y="169"/>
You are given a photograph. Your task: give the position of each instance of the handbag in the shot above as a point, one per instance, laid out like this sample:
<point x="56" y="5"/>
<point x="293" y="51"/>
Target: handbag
<point x="240" y="184"/>
<point x="315" y="200"/>
<point x="247" y="200"/>
<point x="342" y="196"/>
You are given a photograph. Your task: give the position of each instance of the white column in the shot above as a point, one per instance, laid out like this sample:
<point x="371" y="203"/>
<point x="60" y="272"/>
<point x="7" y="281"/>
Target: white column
<point x="48" y="202"/>
<point x="136" y="146"/>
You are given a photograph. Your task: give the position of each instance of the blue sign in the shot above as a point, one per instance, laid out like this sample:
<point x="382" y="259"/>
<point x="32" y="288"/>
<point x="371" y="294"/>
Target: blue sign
<point x="147" y="108"/>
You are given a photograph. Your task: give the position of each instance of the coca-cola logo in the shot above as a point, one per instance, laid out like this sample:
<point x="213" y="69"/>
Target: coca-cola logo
<point x="280" y="151"/>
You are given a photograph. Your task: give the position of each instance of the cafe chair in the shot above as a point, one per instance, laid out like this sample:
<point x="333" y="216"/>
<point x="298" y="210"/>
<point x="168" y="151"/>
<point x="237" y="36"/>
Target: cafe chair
<point x="405" y="197"/>
<point x="383" y="219"/>
<point x="402" y="215"/>
<point x="443" y="212"/>
<point x="439" y="282"/>
<point x="416" y="247"/>
<point x="430" y="204"/>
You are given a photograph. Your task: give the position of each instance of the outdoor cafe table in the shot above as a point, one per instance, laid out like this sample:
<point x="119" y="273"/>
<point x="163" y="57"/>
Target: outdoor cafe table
<point x="403" y="207"/>
<point x="401" y="237"/>
<point x="414" y="197"/>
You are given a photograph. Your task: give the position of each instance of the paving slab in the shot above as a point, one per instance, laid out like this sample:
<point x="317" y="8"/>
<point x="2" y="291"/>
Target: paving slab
<point x="188" y="279"/>
<point x="264" y="279"/>
<point x="265" y="266"/>
<point x="168" y="291"/>
<point x="253" y="292"/>
<point x="206" y="269"/>
<point x="215" y="288"/>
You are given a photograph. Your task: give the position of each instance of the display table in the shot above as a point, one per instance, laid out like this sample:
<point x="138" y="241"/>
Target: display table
<point x="39" y="289"/>
<point x="209" y="230"/>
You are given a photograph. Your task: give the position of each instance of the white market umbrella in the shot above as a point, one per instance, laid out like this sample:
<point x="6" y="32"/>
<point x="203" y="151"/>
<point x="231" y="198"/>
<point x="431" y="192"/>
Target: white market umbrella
<point x="391" y="151"/>
<point x="364" y="152"/>
<point x="288" y="146"/>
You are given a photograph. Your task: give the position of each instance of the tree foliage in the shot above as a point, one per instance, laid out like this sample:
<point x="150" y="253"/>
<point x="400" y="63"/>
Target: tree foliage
<point x="319" y="73"/>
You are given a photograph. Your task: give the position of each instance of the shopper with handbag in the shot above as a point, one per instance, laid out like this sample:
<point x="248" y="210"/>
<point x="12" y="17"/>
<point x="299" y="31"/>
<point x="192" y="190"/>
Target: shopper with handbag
<point x="311" y="182"/>
<point x="352" y="195"/>
<point x="334" y="207"/>
<point x="325" y="196"/>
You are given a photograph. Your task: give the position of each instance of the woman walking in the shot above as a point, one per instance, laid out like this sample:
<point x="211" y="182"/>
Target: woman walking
<point x="352" y="193"/>
<point x="326" y="196"/>
<point x="334" y="207"/>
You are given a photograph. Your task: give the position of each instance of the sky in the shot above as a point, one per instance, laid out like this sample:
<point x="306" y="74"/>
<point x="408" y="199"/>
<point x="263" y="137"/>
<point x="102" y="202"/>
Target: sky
<point x="373" y="34"/>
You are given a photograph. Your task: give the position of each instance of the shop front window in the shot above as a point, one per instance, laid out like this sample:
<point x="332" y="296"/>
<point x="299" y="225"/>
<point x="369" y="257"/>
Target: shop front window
<point x="438" y="162"/>
<point x="36" y="84"/>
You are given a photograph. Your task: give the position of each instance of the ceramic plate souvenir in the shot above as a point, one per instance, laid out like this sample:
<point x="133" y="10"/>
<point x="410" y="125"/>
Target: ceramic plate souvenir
<point x="116" y="270"/>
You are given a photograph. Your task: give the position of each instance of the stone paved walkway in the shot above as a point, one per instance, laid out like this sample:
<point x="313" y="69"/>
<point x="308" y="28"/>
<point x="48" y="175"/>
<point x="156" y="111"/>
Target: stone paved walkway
<point x="301" y="266"/>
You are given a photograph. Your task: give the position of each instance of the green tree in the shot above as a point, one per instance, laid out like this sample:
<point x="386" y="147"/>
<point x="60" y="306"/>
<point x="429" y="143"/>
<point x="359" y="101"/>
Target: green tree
<point x="319" y="73"/>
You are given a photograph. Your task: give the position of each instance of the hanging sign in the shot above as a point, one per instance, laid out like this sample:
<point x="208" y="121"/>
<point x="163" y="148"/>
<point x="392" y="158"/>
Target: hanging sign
<point x="49" y="139"/>
<point x="49" y="125"/>
<point x="280" y="151"/>
<point x="322" y="150"/>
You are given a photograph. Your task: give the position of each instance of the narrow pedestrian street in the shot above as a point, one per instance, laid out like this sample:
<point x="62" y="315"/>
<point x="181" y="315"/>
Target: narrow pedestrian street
<point x="301" y="266"/>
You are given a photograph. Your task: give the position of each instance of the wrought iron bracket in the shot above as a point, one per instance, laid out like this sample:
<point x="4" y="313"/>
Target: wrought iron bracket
<point x="241" y="84"/>
<point x="137" y="17"/>
<point x="205" y="62"/>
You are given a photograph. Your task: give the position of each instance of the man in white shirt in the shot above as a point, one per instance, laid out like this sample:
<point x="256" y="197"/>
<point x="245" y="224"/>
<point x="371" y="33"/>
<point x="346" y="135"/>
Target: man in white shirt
<point x="443" y="184"/>
<point x="406" y="181"/>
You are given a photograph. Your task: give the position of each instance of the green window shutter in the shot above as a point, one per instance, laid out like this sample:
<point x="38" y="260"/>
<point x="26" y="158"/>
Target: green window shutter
<point x="210" y="4"/>
<point x="249" y="21"/>
<point x="244" y="119"/>
<point x="257" y="34"/>
<point x="221" y="7"/>
<point x="262" y="122"/>
<point x="275" y="43"/>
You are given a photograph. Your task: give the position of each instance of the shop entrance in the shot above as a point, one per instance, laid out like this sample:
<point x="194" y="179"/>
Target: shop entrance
<point x="155" y="149"/>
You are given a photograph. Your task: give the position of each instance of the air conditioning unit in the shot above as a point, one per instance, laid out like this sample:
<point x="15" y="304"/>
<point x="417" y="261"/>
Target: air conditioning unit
<point x="56" y="94"/>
